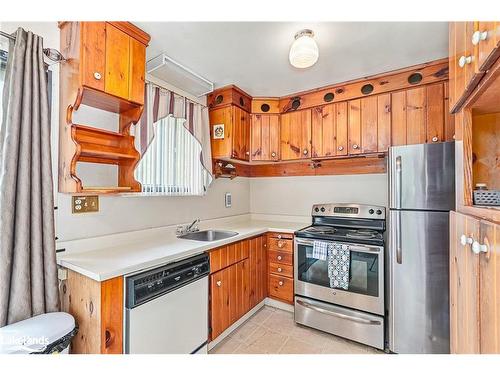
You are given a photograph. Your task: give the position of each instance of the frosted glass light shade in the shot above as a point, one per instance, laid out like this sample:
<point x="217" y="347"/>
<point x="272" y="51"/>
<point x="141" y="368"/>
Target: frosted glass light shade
<point x="304" y="51"/>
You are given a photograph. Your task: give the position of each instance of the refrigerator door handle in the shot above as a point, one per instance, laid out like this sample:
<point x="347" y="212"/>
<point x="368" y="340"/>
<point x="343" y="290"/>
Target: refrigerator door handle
<point x="399" y="250"/>
<point x="399" y="181"/>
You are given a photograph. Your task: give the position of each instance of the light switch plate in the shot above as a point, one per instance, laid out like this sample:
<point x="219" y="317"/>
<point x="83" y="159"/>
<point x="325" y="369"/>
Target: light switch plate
<point x="228" y="200"/>
<point x="84" y="204"/>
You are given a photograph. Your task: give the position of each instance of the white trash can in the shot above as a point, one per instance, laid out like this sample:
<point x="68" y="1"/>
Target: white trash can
<point x="43" y="334"/>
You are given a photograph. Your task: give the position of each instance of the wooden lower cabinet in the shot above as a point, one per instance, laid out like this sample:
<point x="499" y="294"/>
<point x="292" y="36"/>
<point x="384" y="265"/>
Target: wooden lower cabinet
<point x="474" y="286"/>
<point x="98" y="310"/>
<point x="237" y="283"/>
<point x="280" y="266"/>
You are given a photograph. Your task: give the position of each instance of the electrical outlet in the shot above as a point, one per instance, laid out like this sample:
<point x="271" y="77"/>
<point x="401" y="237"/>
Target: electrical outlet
<point x="83" y="204"/>
<point x="228" y="200"/>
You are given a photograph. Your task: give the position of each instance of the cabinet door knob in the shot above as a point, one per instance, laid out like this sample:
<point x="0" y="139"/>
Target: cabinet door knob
<point x="464" y="240"/>
<point x="305" y="152"/>
<point x="273" y="154"/>
<point x="97" y="75"/>
<point x="280" y="283"/>
<point x="479" y="248"/>
<point x="280" y="244"/>
<point x="478" y="36"/>
<point x="279" y="236"/>
<point x="279" y="269"/>
<point x="355" y="146"/>
<point x="278" y="257"/>
<point x="340" y="148"/>
<point x="464" y="60"/>
<point x="247" y="153"/>
<point x="434" y="139"/>
<point x="219" y="283"/>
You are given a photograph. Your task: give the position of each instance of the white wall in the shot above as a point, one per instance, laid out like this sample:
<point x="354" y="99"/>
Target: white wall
<point x="295" y="195"/>
<point x="121" y="214"/>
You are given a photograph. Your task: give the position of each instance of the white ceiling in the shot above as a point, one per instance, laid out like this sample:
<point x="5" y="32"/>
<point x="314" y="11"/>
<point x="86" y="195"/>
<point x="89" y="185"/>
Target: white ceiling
<point x="254" y="55"/>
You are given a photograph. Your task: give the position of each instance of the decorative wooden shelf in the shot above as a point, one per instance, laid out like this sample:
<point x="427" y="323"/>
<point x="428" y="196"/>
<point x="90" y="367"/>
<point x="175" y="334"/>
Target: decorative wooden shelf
<point x="104" y="68"/>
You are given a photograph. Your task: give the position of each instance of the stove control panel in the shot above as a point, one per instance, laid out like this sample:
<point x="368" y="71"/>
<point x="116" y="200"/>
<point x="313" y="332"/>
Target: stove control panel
<point x="349" y="210"/>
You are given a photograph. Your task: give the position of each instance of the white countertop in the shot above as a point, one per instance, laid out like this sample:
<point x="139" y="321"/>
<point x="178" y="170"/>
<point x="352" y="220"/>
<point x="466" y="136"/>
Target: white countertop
<point x="160" y="247"/>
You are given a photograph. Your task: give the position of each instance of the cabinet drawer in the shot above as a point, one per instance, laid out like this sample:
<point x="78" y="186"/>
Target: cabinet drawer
<point x="281" y="269"/>
<point x="281" y="288"/>
<point x="279" y="236"/>
<point x="281" y="257"/>
<point x="280" y="245"/>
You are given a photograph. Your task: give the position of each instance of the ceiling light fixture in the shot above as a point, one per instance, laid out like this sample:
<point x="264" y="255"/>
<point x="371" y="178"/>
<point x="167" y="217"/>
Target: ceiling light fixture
<point x="304" y="51"/>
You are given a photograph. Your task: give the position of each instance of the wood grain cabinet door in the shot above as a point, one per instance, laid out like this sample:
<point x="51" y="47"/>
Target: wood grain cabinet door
<point x="464" y="285"/>
<point x="93" y="45"/>
<point x="241" y="134"/>
<point x="220" y="302"/>
<point x="117" y="62"/>
<point x="137" y="71"/>
<point x="295" y="135"/>
<point x="265" y="141"/>
<point x="221" y="147"/>
<point x="341" y="129"/>
<point x="435" y="113"/>
<point x="354" y="126"/>
<point x="323" y="131"/>
<point x="415" y="115"/>
<point x="457" y="50"/>
<point x="488" y="41"/>
<point x="489" y="300"/>
<point x="369" y="121"/>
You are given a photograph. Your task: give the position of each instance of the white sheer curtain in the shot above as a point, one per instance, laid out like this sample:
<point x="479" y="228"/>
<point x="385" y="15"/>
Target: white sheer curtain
<point x="171" y="165"/>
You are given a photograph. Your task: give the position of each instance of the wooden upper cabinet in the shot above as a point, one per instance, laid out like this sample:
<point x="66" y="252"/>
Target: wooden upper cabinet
<point x="415" y="115"/>
<point x="296" y="135"/>
<point x="241" y="134"/>
<point x="473" y="48"/>
<point x="109" y="58"/>
<point x="265" y="137"/>
<point x="117" y="62"/>
<point x="369" y="120"/>
<point x="384" y="108"/>
<point x="93" y="59"/>
<point x="354" y="107"/>
<point x="137" y="73"/>
<point x="435" y="113"/>
<point x="329" y="130"/>
<point x="221" y="144"/>
<point x="341" y="129"/>
<point x="487" y="38"/>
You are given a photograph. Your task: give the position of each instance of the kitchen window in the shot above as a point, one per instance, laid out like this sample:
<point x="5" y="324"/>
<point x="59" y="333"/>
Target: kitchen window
<point x="172" y="164"/>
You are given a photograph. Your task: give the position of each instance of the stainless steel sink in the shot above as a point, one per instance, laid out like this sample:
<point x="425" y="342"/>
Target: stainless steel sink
<point x="208" y="235"/>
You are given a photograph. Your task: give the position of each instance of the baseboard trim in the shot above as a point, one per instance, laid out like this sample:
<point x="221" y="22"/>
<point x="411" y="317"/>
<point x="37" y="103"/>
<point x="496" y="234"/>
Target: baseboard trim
<point x="278" y="304"/>
<point x="212" y="344"/>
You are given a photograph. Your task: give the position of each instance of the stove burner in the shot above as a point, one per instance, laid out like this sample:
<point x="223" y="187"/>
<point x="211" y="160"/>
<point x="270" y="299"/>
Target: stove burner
<point x="360" y="233"/>
<point x="321" y="230"/>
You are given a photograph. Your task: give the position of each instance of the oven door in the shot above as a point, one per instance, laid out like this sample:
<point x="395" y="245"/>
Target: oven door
<point x="366" y="277"/>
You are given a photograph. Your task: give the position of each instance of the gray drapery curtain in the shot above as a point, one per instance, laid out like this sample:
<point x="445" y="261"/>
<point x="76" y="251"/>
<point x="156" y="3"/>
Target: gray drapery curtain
<point x="28" y="271"/>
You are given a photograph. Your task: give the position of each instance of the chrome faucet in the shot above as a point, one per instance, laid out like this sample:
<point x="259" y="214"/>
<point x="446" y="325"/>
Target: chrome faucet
<point x="183" y="229"/>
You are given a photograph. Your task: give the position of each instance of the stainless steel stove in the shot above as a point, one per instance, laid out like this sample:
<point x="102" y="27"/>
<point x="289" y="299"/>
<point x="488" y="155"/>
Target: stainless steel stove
<point x="356" y="313"/>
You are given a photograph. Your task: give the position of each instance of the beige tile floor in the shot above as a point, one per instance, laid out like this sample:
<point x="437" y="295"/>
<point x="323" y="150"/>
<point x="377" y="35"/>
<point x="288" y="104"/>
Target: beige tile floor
<point x="273" y="331"/>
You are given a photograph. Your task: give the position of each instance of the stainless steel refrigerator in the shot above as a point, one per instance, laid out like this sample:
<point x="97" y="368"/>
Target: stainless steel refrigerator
<point x="421" y="194"/>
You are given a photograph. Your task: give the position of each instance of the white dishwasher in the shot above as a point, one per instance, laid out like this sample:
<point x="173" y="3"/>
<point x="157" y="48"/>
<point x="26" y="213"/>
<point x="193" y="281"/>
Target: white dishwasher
<point x="167" y="309"/>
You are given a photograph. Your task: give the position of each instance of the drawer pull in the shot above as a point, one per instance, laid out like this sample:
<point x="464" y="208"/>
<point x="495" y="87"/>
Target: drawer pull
<point x="280" y="244"/>
<point x="280" y="283"/>
<point x="279" y="257"/>
<point x="279" y="269"/>
<point x="338" y="315"/>
<point x="279" y="236"/>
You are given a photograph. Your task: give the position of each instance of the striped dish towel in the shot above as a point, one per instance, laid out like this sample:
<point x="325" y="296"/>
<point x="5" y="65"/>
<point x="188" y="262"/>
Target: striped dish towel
<point x="320" y="250"/>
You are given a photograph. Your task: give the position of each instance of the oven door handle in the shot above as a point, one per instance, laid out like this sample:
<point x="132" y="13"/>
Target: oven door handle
<point x="338" y="315"/>
<point x="359" y="248"/>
